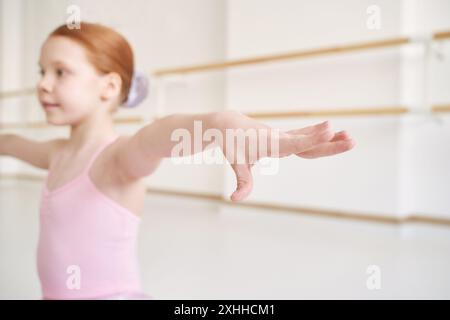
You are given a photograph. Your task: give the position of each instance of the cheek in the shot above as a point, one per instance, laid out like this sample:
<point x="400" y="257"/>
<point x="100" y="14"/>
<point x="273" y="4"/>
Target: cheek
<point x="78" y="93"/>
<point x="90" y="90"/>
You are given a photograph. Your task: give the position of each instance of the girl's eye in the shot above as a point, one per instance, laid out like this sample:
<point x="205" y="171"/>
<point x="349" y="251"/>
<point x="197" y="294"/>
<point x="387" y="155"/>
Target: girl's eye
<point x="41" y="72"/>
<point x="60" y="72"/>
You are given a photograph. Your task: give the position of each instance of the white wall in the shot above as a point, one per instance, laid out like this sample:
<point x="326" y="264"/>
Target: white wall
<point x="386" y="173"/>
<point x="11" y="58"/>
<point x="381" y="174"/>
<point x="425" y="139"/>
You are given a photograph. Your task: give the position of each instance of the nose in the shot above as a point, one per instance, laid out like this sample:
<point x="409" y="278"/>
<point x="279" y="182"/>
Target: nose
<point x="45" y="84"/>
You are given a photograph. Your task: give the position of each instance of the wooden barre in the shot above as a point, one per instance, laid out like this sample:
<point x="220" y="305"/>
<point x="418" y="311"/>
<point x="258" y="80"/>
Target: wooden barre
<point x="442" y="35"/>
<point x="331" y="113"/>
<point x="441" y="108"/>
<point x="285" y="56"/>
<point x="17" y="93"/>
<point x="399" y="110"/>
<point x="269" y="58"/>
<point x="359" y="216"/>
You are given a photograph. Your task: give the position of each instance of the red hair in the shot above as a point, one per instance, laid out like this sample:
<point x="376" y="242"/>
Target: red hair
<point x="107" y="50"/>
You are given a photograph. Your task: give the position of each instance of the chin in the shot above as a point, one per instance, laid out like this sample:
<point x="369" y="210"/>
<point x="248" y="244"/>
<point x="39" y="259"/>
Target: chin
<point x="57" y="122"/>
<point x="60" y="119"/>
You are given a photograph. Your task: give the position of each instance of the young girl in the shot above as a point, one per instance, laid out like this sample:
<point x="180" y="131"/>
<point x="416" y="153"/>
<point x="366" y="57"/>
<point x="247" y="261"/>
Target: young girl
<point x="94" y="193"/>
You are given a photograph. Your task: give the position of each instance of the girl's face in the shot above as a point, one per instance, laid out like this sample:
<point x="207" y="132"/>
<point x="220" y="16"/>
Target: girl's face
<point x="70" y="88"/>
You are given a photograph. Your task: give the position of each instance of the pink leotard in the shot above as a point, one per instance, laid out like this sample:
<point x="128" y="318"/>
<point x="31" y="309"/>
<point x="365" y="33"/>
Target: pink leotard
<point x="87" y="242"/>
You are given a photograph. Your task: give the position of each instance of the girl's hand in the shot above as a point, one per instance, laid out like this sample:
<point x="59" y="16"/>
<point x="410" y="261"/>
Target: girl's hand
<point x="309" y="142"/>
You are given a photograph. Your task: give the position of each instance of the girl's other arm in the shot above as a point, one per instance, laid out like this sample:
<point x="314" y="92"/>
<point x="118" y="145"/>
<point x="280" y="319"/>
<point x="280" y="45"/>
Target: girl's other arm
<point x="32" y="152"/>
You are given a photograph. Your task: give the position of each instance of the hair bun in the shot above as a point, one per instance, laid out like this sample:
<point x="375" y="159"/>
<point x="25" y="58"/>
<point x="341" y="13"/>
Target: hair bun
<point x="138" y="90"/>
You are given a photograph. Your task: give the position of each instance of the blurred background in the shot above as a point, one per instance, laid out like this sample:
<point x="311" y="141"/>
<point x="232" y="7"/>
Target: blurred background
<point x="372" y="223"/>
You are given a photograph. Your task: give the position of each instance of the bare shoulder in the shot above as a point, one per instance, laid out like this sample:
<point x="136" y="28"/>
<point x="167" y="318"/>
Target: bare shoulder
<point x="52" y="148"/>
<point x="112" y="158"/>
<point x="110" y="179"/>
<point x="132" y="159"/>
<point x="118" y="146"/>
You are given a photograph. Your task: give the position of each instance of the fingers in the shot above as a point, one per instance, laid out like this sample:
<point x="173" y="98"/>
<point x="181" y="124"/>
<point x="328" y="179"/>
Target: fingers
<point x="244" y="181"/>
<point x="328" y="149"/>
<point x="302" y="143"/>
<point x="341" y="135"/>
<point x="339" y="144"/>
<point x="311" y="129"/>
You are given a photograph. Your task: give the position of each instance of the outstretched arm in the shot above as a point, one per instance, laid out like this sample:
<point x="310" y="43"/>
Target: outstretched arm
<point x="140" y="154"/>
<point x="35" y="153"/>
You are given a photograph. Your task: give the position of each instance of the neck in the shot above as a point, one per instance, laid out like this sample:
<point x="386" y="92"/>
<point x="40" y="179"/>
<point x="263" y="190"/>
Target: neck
<point x="93" y="130"/>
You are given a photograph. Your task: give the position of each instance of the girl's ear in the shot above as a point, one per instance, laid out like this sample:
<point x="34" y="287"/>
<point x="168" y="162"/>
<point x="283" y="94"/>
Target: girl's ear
<point x="111" y="86"/>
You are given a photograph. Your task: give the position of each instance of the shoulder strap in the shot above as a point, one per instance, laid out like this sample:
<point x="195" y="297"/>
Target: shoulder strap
<point x="97" y="153"/>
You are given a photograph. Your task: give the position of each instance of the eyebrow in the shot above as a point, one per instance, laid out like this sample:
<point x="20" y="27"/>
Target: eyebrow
<point x="56" y="62"/>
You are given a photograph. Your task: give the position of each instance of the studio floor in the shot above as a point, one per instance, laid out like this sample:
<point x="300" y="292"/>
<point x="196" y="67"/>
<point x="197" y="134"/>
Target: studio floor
<point x="192" y="249"/>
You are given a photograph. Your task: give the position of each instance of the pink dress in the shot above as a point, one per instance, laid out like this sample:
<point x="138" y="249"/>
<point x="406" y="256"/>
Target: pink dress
<point x="87" y="243"/>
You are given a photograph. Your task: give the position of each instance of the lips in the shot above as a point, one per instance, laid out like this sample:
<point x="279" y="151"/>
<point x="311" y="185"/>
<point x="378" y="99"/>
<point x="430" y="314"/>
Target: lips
<point x="48" y="105"/>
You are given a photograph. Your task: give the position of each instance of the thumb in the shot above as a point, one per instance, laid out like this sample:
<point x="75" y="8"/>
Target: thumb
<point x="244" y="182"/>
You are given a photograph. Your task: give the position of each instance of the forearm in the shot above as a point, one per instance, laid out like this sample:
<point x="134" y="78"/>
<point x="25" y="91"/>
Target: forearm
<point x="167" y="133"/>
<point x="5" y="140"/>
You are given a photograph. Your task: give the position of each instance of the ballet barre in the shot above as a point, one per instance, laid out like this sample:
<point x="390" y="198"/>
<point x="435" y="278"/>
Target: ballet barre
<point x="381" y="111"/>
<point x="302" y="54"/>
<point x="309" y="211"/>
